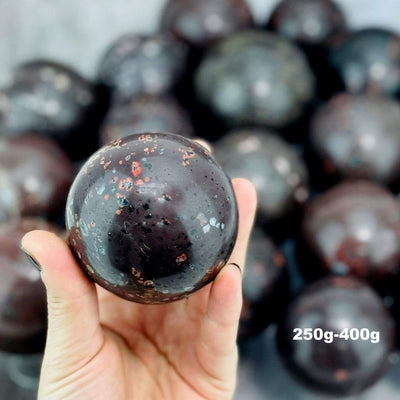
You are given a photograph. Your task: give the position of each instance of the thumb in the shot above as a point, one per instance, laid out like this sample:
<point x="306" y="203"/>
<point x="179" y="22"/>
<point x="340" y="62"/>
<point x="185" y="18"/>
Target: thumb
<point x="74" y="335"/>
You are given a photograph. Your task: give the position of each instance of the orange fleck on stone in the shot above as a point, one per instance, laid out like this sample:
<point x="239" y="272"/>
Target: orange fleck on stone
<point x="106" y="197"/>
<point x="126" y="184"/>
<point x="118" y="212"/>
<point x="341" y="375"/>
<point x="139" y="182"/>
<point x="182" y="258"/>
<point x="279" y="259"/>
<point x="146" y="138"/>
<point x="147" y="179"/>
<point x="136" y="168"/>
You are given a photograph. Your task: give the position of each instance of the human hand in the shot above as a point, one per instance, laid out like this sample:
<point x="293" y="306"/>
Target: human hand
<point x="100" y="346"/>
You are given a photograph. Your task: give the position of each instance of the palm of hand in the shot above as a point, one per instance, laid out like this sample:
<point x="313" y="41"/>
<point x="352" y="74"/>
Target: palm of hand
<point x="102" y="347"/>
<point x="166" y="351"/>
<point x="162" y="349"/>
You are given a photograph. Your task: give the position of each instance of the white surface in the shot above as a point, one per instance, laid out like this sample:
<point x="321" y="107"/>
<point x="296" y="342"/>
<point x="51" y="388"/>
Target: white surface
<point x="77" y="31"/>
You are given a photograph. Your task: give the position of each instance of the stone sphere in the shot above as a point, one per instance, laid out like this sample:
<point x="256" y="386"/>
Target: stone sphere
<point x="46" y="97"/>
<point x="309" y="22"/>
<point x="354" y="229"/>
<point x="369" y="61"/>
<point x="145" y="113"/>
<point x="265" y="285"/>
<point x="272" y="165"/>
<point x="152" y="217"/>
<point x="255" y="78"/>
<point x="357" y="136"/>
<point x="201" y="23"/>
<point x="353" y="359"/>
<point x="143" y="64"/>
<point x="23" y="308"/>
<point x="35" y="176"/>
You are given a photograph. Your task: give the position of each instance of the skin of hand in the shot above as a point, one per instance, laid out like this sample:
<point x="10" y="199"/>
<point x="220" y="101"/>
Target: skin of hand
<point x="101" y="347"/>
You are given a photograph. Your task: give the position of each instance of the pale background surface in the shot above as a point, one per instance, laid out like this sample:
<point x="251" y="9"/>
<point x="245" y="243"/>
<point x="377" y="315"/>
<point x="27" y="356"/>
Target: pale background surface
<point x="77" y="32"/>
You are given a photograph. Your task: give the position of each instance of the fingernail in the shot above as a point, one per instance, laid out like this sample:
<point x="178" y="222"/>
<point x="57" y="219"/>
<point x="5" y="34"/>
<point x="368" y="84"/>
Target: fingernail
<point x="237" y="266"/>
<point x="31" y="260"/>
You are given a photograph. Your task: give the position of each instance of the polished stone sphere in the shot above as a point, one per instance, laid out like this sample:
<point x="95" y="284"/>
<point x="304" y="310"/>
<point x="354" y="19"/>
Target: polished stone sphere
<point x="272" y="165"/>
<point x="10" y="201"/>
<point x="152" y="217"/>
<point x="265" y="285"/>
<point x="23" y="316"/>
<point x="309" y="22"/>
<point x="35" y="176"/>
<point x="255" y="78"/>
<point x="143" y="64"/>
<point x="337" y="366"/>
<point x="145" y="113"/>
<point x="357" y="136"/>
<point x="45" y="97"/>
<point x="369" y="61"/>
<point x="201" y="23"/>
<point x="354" y="229"/>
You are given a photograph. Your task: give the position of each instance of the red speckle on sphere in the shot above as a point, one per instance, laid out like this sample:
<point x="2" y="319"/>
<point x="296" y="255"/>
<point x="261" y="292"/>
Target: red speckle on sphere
<point x="136" y="168"/>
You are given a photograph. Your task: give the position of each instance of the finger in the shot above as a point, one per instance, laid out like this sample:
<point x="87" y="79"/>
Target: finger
<point x="74" y="333"/>
<point x="247" y="203"/>
<point x="205" y="144"/>
<point x="220" y="325"/>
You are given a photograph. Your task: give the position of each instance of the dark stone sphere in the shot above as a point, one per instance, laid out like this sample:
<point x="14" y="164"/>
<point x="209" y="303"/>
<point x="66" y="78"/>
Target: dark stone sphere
<point x="272" y="165"/>
<point x="35" y="176"/>
<point x="255" y="78"/>
<point x="357" y="136"/>
<point x="23" y="317"/>
<point x="145" y="113"/>
<point x="369" y="61"/>
<point x="201" y="23"/>
<point x="337" y="367"/>
<point x="152" y="217"/>
<point x="309" y="22"/>
<point x="136" y="64"/>
<point x="45" y="97"/>
<point x="10" y="201"/>
<point x="354" y="229"/>
<point x="265" y="285"/>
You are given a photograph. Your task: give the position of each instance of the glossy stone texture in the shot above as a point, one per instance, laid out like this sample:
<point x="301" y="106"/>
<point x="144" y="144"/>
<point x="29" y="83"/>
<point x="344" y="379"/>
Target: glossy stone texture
<point x="357" y="136"/>
<point x="152" y="217"/>
<point x="201" y="23"/>
<point x="35" y="175"/>
<point x="145" y="113"/>
<point x="369" y="61"/>
<point x="342" y="367"/>
<point x="265" y="285"/>
<point x="309" y="22"/>
<point x="23" y="318"/>
<point x="257" y="78"/>
<point x="45" y="97"/>
<point x="137" y="64"/>
<point x="10" y="202"/>
<point x="354" y="229"/>
<point x="272" y="165"/>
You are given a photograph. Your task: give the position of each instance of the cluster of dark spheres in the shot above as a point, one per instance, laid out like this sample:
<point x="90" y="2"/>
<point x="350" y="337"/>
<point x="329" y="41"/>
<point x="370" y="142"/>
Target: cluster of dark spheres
<point x="305" y="107"/>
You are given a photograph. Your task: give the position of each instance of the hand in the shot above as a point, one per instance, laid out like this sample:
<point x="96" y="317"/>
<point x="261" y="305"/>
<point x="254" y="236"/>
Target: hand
<point x="101" y="347"/>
